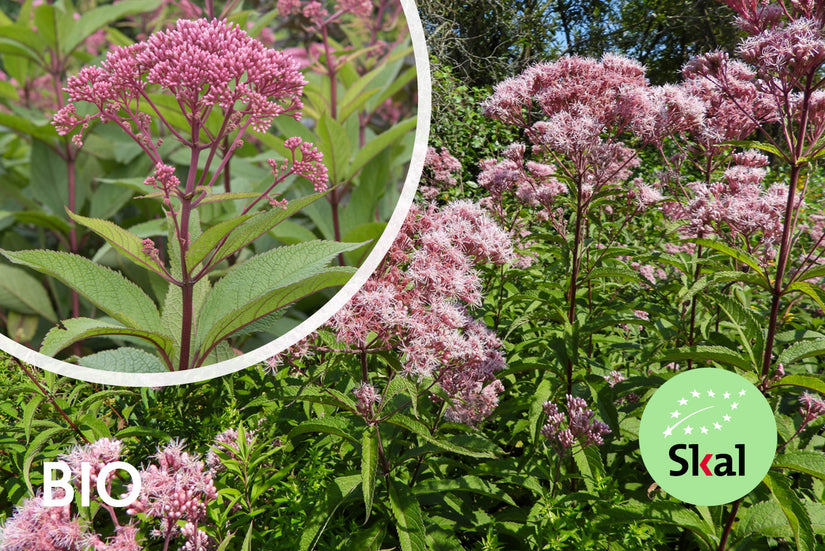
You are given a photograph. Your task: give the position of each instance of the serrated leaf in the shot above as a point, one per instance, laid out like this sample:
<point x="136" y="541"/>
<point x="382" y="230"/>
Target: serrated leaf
<point x="793" y="509"/>
<point x="801" y="350"/>
<point x="472" y="484"/>
<point x="338" y="426"/>
<point x="369" y="466"/>
<point x="247" y="232"/>
<point x="808" y="462"/>
<point x="764" y="518"/>
<point x="714" y="353"/>
<point x="105" y="288"/>
<point x="335" y="145"/>
<point x="812" y="291"/>
<point x="736" y="254"/>
<point x="409" y="522"/>
<point x="805" y="381"/>
<point x="265" y="284"/>
<point x="420" y="429"/>
<point x="36" y="445"/>
<point x="377" y="145"/>
<point x="123" y="241"/>
<point x="124" y="360"/>
<point x="77" y="329"/>
<point x="22" y="293"/>
<point x="337" y="494"/>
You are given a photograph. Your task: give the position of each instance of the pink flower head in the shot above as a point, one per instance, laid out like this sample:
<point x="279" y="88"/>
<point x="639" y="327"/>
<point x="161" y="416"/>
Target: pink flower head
<point x="416" y="303"/>
<point x="35" y="527"/>
<point x="96" y="454"/>
<point x="614" y="378"/>
<point x="202" y="63"/>
<point x="576" y="426"/>
<point x="178" y="487"/>
<point x="440" y="169"/>
<point x="367" y="397"/>
<point x="813" y="406"/>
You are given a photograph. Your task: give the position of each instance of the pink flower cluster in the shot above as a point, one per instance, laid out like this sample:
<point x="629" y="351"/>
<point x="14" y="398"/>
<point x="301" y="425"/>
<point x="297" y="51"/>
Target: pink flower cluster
<point x="813" y="407"/>
<point x="739" y="209"/>
<point x="177" y="488"/>
<point x="439" y="172"/>
<point x="416" y="301"/>
<point x="367" y="396"/>
<point x="577" y="426"/>
<point x="35" y="527"/>
<point x="202" y="64"/>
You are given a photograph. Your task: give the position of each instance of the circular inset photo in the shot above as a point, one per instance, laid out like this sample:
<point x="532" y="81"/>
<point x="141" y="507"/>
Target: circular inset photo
<point x="189" y="189"/>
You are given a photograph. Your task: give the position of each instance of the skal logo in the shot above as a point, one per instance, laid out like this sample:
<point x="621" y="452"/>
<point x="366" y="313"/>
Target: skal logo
<point x="708" y="436"/>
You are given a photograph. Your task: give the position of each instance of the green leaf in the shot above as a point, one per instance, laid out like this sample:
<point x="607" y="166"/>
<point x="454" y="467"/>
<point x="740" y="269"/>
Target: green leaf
<point x="338" y="493"/>
<point x="808" y="462"/>
<point x="338" y="426"/>
<point x="267" y="283"/>
<point x="247" y="541"/>
<point x="241" y="235"/>
<point x="26" y="126"/>
<point x="812" y="291"/>
<point x="613" y="272"/>
<point x="94" y="20"/>
<point x="124" y="360"/>
<point x="664" y="512"/>
<point x="753" y="144"/>
<point x="369" y="466"/>
<point x="409" y="522"/>
<point x="736" y="254"/>
<point x="49" y="178"/>
<point x="77" y="329"/>
<point x="590" y="465"/>
<point x="124" y="241"/>
<point x="793" y="508"/>
<point x="805" y="381"/>
<point x="21" y="327"/>
<point x="378" y="144"/>
<point x="801" y="350"/>
<point x="764" y="518"/>
<point x="714" y="353"/>
<point x="472" y="484"/>
<point x="22" y="41"/>
<point x="419" y="428"/>
<point x="335" y="145"/>
<point x="37" y="444"/>
<point x="105" y="288"/>
<point x="22" y="293"/>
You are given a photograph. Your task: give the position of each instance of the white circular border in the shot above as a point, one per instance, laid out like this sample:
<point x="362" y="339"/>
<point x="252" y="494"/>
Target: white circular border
<point x="422" y="131"/>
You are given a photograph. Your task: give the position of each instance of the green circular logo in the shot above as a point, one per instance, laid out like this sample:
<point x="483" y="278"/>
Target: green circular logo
<point x="708" y="436"/>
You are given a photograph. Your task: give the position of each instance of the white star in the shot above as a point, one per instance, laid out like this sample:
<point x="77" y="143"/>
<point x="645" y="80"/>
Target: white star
<point x="704" y="430"/>
<point x="742" y="392"/>
<point x="682" y="402"/>
<point x="726" y="395"/>
<point x="726" y="417"/>
<point x="717" y="426"/>
<point x="668" y="432"/>
<point x="675" y="414"/>
<point x="711" y="394"/>
<point x="734" y="405"/>
<point x="688" y="429"/>
<point x="695" y="394"/>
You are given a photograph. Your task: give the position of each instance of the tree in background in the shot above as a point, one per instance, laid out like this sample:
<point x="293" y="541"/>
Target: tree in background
<point x="485" y="41"/>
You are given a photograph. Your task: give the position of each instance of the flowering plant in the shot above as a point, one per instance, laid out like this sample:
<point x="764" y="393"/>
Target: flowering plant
<point x="195" y="103"/>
